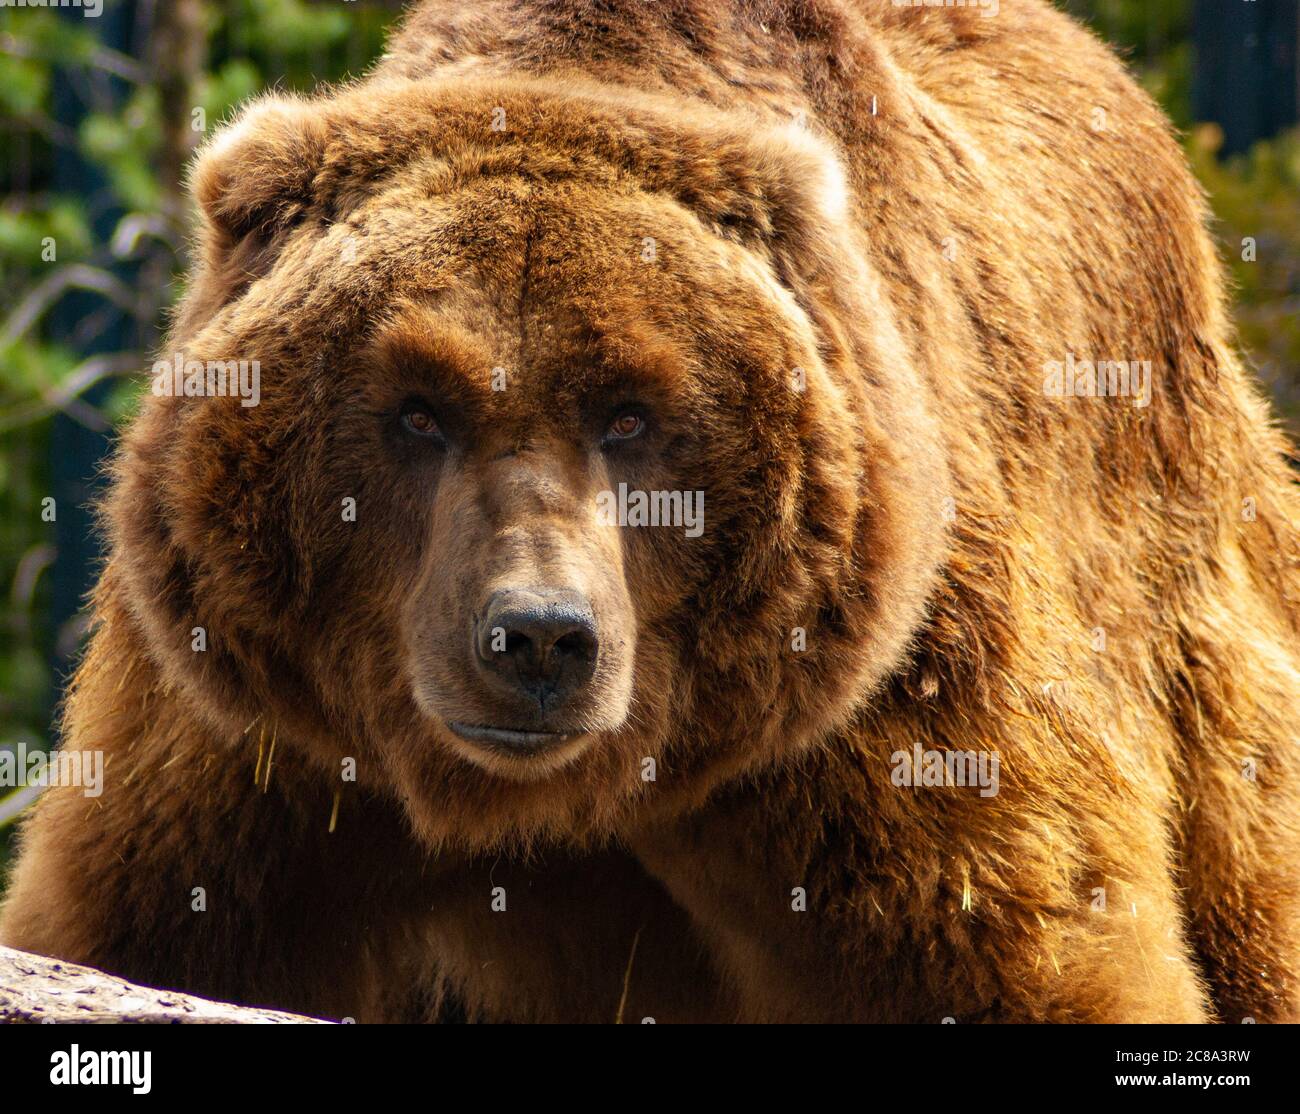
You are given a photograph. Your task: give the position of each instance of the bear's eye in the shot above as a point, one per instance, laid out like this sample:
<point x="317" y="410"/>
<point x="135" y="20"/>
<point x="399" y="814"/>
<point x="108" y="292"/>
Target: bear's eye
<point x="625" y="427"/>
<point x="420" y="421"/>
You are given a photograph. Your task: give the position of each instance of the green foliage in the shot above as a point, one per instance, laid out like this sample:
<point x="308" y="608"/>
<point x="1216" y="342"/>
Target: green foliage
<point x="233" y="83"/>
<point x="124" y="142"/>
<point x="269" y="24"/>
<point x="24" y="87"/>
<point x="23" y="234"/>
<point x="1255" y="196"/>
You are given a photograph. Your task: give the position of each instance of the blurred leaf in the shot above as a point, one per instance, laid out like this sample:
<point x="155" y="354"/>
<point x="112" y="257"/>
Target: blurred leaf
<point x="24" y="85"/>
<point x="220" y="93"/>
<point x="124" y="145"/>
<point x="31" y="368"/>
<point x="66" y="42"/>
<point x="23" y="234"/>
<point x="291" y="25"/>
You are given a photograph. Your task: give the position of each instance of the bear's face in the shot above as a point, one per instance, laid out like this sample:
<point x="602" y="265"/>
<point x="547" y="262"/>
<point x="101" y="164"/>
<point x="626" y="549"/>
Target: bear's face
<point x="571" y="488"/>
<point x="575" y="458"/>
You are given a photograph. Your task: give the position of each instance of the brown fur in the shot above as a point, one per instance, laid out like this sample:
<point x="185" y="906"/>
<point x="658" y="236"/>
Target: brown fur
<point x="948" y="537"/>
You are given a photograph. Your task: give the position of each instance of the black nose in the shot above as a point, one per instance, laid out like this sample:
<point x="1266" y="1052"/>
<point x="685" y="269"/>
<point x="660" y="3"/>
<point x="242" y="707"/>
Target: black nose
<point x="541" y="642"/>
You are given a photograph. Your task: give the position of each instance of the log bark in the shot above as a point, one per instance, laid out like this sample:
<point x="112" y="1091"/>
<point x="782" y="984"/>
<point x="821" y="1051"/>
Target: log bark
<point x="35" y="989"/>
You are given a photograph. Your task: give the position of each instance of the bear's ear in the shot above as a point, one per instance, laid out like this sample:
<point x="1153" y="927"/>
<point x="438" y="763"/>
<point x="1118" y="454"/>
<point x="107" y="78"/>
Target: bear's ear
<point x="807" y="199"/>
<point x="782" y="190"/>
<point x="255" y="177"/>
<point x="798" y="183"/>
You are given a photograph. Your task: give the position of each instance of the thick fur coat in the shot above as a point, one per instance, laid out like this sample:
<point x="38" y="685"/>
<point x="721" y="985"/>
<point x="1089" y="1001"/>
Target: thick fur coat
<point x="833" y="255"/>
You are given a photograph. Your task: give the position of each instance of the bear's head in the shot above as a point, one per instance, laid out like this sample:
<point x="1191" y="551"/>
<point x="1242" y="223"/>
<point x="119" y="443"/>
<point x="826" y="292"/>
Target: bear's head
<point x="586" y="469"/>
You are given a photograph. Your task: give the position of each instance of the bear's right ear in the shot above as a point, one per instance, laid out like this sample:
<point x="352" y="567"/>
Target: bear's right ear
<point x="255" y="177"/>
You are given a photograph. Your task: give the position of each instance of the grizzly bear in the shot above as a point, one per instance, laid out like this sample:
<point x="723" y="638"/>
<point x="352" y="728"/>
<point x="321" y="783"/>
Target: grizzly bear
<point x="751" y="513"/>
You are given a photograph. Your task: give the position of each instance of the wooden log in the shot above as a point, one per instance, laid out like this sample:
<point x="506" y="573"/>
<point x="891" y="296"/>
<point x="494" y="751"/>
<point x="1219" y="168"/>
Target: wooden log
<point x="35" y="989"/>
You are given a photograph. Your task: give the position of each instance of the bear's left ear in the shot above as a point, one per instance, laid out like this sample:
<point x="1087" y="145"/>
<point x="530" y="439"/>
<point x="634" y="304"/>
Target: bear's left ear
<point x="782" y="190"/>
<point x="799" y="183"/>
<point x="807" y="200"/>
<point x="255" y="177"/>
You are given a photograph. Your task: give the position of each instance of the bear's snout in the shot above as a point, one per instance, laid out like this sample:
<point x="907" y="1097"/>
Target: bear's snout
<point x="537" y="643"/>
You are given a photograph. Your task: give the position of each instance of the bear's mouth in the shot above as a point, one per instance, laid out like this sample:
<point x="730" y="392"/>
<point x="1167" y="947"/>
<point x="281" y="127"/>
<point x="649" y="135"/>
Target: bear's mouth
<point x="509" y="739"/>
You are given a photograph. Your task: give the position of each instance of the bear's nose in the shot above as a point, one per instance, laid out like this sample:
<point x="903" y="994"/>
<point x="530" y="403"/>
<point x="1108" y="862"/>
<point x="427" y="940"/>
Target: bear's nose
<point x="540" y="641"/>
